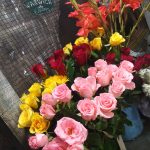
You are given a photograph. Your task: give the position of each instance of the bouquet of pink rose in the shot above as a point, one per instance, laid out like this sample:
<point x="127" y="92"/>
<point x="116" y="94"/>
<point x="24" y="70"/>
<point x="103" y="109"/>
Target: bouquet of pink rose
<point x="84" y="115"/>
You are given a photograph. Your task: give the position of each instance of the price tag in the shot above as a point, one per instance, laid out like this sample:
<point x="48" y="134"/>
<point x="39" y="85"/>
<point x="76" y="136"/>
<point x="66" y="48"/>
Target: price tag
<point x="39" y="6"/>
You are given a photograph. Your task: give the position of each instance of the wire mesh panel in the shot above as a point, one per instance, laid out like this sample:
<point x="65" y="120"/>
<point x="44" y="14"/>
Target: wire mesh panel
<point x="25" y="39"/>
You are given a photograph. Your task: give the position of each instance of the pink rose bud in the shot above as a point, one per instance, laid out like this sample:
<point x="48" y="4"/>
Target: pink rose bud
<point x="106" y="103"/>
<point x="92" y="71"/>
<point x="117" y="88"/>
<point x="62" y="93"/>
<point x="127" y="65"/>
<point x="71" y="131"/>
<point x="100" y="64"/>
<point x="47" y="111"/>
<point x="104" y="77"/>
<point x="56" y="144"/>
<point x="48" y="99"/>
<point x="86" y="87"/>
<point x="37" y="141"/>
<point x="88" y="109"/>
<point x="130" y="86"/>
<point x="112" y="69"/>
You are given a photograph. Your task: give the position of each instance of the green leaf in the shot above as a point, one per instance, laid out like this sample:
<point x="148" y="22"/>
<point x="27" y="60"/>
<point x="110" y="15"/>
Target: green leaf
<point x="70" y="69"/>
<point x="136" y="92"/>
<point x="94" y="54"/>
<point x="101" y="125"/>
<point x="111" y="144"/>
<point x="94" y="141"/>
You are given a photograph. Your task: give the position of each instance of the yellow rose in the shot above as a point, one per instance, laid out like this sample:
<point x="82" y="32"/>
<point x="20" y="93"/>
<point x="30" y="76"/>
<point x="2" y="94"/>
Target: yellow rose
<point x="96" y="43"/>
<point x="31" y="100"/>
<point x="24" y="106"/>
<point x="35" y="89"/>
<point x="60" y="79"/>
<point x="47" y="90"/>
<point x="50" y="82"/>
<point x="67" y="49"/>
<point x="39" y="124"/>
<point x="25" y="118"/>
<point x="116" y="39"/>
<point x="81" y="40"/>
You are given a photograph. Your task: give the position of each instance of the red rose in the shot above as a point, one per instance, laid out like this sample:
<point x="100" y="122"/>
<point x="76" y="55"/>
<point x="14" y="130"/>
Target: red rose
<point x="147" y="59"/>
<point x="39" y="70"/>
<point x="127" y="57"/>
<point x="125" y="50"/>
<point x="110" y="57"/>
<point x="81" y="53"/>
<point x="58" y="53"/>
<point x="139" y="63"/>
<point x="57" y="64"/>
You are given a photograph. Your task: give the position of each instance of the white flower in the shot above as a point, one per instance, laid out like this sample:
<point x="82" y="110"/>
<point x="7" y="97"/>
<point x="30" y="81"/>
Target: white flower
<point x="146" y="89"/>
<point x="142" y="72"/>
<point x="145" y="75"/>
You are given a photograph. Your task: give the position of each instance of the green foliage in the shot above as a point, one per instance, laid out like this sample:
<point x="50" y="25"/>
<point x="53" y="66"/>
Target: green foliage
<point x="70" y="69"/>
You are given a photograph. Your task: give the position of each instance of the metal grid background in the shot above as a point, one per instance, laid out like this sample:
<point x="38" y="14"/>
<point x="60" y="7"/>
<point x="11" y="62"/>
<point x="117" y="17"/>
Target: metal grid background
<point x="25" y="39"/>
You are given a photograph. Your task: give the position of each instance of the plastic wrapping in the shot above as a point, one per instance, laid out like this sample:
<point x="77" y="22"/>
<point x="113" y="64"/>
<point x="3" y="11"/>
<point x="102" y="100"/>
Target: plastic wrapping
<point x="25" y="39"/>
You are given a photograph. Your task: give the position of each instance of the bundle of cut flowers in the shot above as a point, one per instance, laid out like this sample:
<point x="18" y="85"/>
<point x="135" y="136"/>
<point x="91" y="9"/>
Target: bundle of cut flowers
<point x="79" y="106"/>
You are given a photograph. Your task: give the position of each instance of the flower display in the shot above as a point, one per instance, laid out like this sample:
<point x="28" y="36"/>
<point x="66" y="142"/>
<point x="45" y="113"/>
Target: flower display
<point x="80" y="106"/>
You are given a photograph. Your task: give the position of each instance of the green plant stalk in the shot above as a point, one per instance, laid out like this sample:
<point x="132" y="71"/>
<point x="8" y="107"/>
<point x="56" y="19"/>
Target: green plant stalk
<point x="122" y="21"/>
<point x="75" y="4"/>
<point x="137" y="22"/>
<point x="121" y="18"/>
<point x="111" y="23"/>
<point x="94" y="5"/>
<point x="114" y="22"/>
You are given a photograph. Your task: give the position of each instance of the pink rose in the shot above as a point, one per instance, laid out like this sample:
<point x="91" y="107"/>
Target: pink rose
<point x="85" y="86"/>
<point x="100" y="64"/>
<point x="104" y="77"/>
<point x="130" y="86"/>
<point x="76" y="147"/>
<point x="37" y="141"/>
<point x="48" y="99"/>
<point x="117" y="88"/>
<point x="47" y="111"/>
<point x="56" y="144"/>
<point x="71" y="131"/>
<point x="92" y="71"/>
<point x="123" y="76"/>
<point x="112" y="69"/>
<point x="127" y="65"/>
<point x="88" y="109"/>
<point x="62" y="93"/>
<point x="106" y="103"/>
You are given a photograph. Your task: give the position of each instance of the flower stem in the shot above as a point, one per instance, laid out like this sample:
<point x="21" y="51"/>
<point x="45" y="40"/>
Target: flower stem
<point x="137" y="22"/>
<point x="98" y="13"/>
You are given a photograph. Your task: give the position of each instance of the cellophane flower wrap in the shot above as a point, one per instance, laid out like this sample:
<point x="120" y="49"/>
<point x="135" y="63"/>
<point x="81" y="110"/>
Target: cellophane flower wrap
<point x="79" y="107"/>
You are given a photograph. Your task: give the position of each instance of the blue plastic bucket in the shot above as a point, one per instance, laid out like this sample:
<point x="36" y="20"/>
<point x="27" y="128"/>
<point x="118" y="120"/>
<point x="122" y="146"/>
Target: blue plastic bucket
<point x="131" y="132"/>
